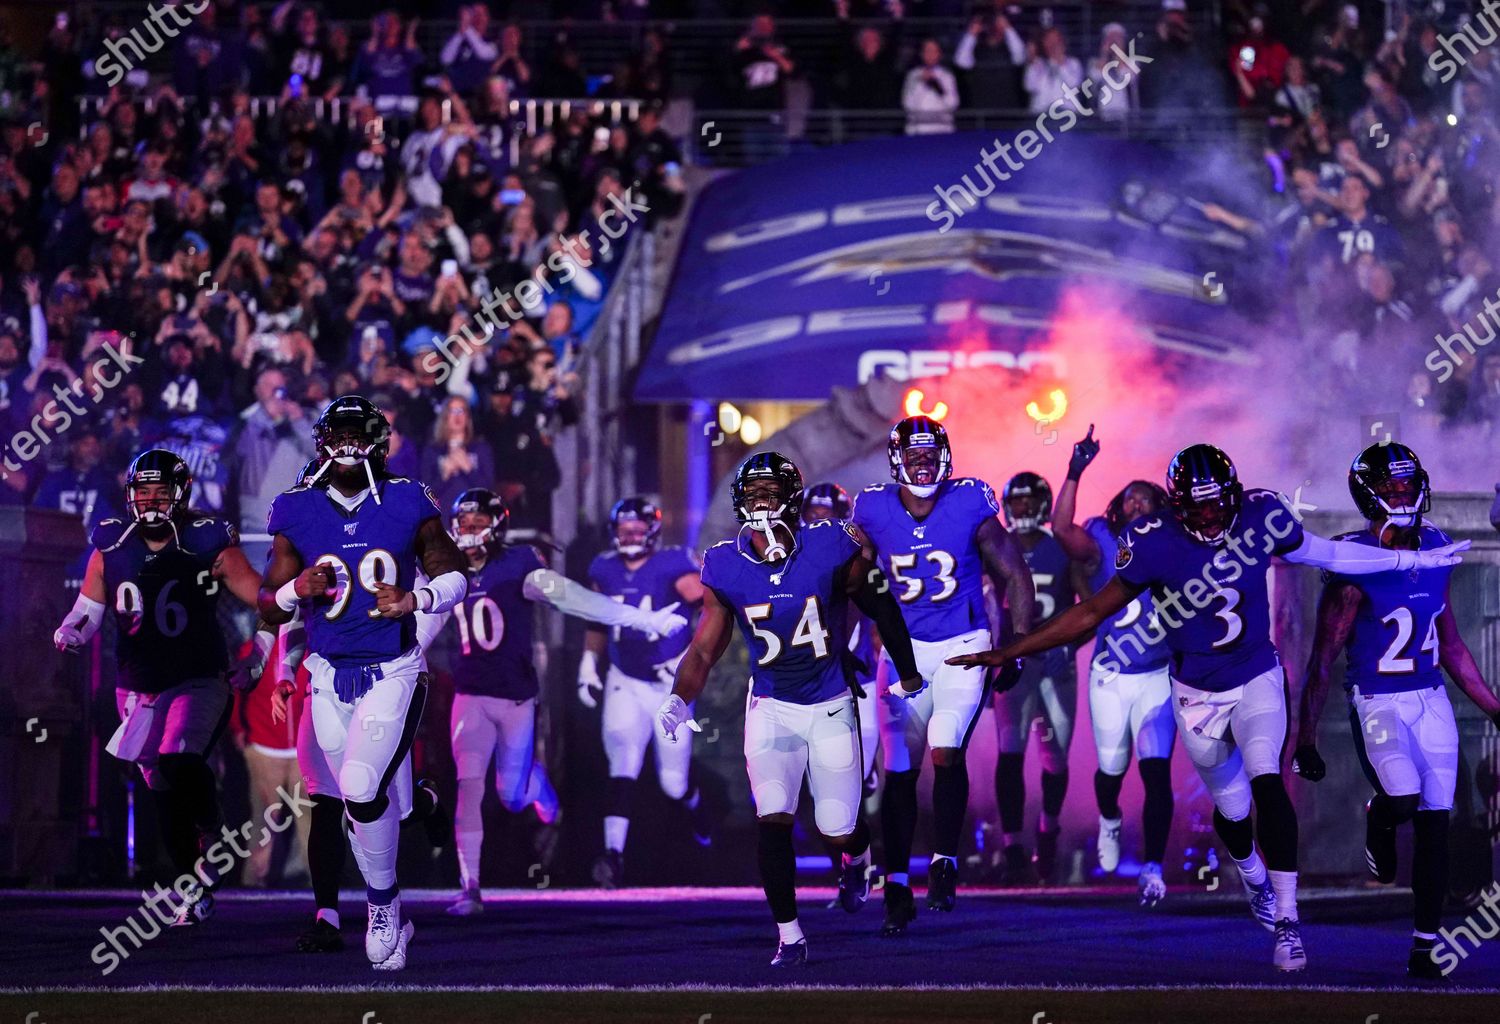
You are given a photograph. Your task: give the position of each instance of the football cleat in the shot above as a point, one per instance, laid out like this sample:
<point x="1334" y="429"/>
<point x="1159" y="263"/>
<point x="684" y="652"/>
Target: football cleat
<point x="1045" y="857"/>
<point x="1380" y="849"/>
<point x="701" y="820"/>
<point x="1420" y="965"/>
<point x="322" y="937"/>
<point x="1289" y="955"/>
<point x="195" y="911"/>
<point x="397" y="960"/>
<point x="942" y="885"/>
<point x="790" y="954"/>
<point x="900" y="909"/>
<point x="468" y="903"/>
<point x="854" y="886"/>
<point x="1016" y="871"/>
<point x="1153" y="888"/>
<point x="1109" y="844"/>
<point x="383" y="933"/>
<point x="438" y="824"/>
<point x="1262" y="903"/>
<point x="609" y="869"/>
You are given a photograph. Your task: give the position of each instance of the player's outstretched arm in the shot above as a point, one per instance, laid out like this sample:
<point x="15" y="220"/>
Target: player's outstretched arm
<point x="575" y="599"/>
<point x="86" y="615"/>
<point x="1069" y="627"/>
<point x="1352" y="559"/>
<point x="1075" y="540"/>
<point x="715" y="626"/>
<point x="1336" y="610"/>
<point x="1458" y="661"/>
<point x="871" y="592"/>
<point x="234" y="569"/>
<point x="1006" y="567"/>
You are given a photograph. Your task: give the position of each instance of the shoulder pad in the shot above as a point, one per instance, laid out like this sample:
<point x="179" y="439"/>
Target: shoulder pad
<point x="107" y="533"/>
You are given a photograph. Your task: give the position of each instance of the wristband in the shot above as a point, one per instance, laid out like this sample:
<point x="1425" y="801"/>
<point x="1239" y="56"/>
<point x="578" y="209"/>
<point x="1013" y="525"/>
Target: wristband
<point x="425" y="598"/>
<point x="286" y="597"/>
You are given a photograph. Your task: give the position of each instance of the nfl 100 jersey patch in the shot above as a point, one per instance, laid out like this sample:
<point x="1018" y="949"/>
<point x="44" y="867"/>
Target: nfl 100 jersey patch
<point x="373" y="544"/>
<point x="495" y="628"/>
<point x="1212" y="600"/>
<point x="793" y="614"/>
<point x="165" y="601"/>
<point x="649" y="586"/>
<point x="1393" y="647"/>
<point x="933" y="564"/>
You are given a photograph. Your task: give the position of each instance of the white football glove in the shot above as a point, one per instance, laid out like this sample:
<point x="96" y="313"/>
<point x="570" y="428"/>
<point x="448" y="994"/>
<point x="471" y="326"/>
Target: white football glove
<point x="897" y="690"/>
<point x="660" y="623"/>
<point x="590" y="686"/>
<point x="67" y="639"/>
<point x="673" y="714"/>
<point x="1436" y="558"/>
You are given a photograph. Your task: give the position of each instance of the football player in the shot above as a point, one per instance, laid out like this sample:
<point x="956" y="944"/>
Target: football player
<point x="160" y="570"/>
<point x="935" y="538"/>
<point x="787" y="586"/>
<point x="351" y="550"/>
<point x="1130" y="692"/>
<point x="1214" y="548"/>
<point x="1399" y="632"/>
<point x="639" y="573"/>
<point x="1046" y="696"/>
<point x="495" y="679"/>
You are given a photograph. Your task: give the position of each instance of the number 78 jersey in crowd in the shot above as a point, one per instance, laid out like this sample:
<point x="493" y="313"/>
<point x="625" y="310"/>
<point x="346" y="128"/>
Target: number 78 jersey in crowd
<point x="1212" y="600"/>
<point x="933" y="565"/>
<point x="375" y="543"/>
<point x="793" y="613"/>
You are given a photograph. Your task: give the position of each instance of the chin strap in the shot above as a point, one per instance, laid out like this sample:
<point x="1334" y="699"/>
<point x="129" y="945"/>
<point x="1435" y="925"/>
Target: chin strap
<point x="766" y="527"/>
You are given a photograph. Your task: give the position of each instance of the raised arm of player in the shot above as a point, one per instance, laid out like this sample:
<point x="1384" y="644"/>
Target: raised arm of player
<point x="871" y="593"/>
<point x="715" y="626"/>
<point x="1075" y="540"/>
<point x="1006" y="568"/>
<point x="234" y="569"/>
<point x="577" y="600"/>
<point x="1336" y="610"/>
<point x="1071" y="626"/>
<point x="1458" y="662"/>
<point x="86" y="615"/>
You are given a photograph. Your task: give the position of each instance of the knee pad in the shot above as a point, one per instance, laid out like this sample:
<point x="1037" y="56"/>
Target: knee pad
<point x="1234" y="799"/>
<point x="367" y="811"/>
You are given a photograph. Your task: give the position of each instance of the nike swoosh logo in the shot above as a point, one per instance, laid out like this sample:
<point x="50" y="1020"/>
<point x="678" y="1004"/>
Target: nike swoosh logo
<point x="834" y="712"/>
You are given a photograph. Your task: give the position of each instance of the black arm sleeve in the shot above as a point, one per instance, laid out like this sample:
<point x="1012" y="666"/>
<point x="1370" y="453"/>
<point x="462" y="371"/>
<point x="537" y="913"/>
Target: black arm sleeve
<point x="874" y="597"/>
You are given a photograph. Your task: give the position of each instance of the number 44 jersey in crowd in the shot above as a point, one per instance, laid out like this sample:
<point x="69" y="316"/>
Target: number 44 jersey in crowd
<point x="374" y="543"/>
<point x="165" y="602"/>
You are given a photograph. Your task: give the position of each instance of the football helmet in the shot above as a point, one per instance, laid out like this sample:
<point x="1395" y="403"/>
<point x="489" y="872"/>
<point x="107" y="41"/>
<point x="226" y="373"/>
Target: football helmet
<point x="635" y="510"/>
<point x="1027" y="485"/>
<point x="826" y="495"/>
<point x="788" y="478"/>
<point x="351" y="431"/>
<point x="479" y="500"/>
<point x="1389" y="486"/>
<point x="1204" y="492"/>
<point x="157" y="466"/>
<point x="916" y="433"/>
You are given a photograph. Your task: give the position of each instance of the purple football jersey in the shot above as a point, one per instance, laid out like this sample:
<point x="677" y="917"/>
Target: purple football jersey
<point x="494" y="628"/>
<point x="933" y="565"/>
<point x="165" y="602"/>
<point x="376" y="543"/>
<point x="793" y="613"/>
<point x="650" y="586"/>
<point x="1131" y="640"/>
<point x="1393" y="646"/>
<point x="1212" y="599"/>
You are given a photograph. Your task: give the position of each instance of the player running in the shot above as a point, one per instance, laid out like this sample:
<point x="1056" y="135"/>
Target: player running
<point x="1228" y="685"/>
<point x="495" y="680"/>
<point x="351" y="550"/>
<point x="788" y="586"/>
<point x="1130" y="691"/>
<point x="642" y="575"/>
<point x="1046" y="697"/>
<point x="160" y="570"/>
<point x="1399" y="631"/>
<point x="935" y="538"/>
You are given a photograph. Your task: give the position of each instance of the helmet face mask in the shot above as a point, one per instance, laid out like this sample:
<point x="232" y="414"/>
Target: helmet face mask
<point x="473" y="530"/>
<point x="1390" y="487"/>
<point x="352" y="432"/>
<point x="920" y="456"/>
<point x="1026" y="502"/>
<point x="477" y="521"/>
<point x="767" y="496"/>
<point x="825" y="501"/>
<point x="157" y="487"/>
<point x="635" y="524"/>
<point x="151" y="504"/>
<point x="1204" y="493"/>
